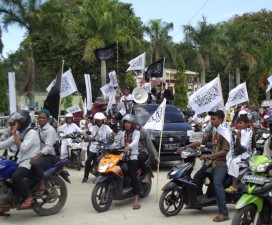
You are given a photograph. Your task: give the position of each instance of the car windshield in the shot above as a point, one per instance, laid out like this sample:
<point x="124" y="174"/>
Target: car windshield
<point x="144" y="112"/>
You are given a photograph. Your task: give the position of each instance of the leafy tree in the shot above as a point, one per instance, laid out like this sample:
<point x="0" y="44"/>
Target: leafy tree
<point x="181" y="85"/>
<point x="202" y="40"/>
<point x="3" y="90"/>
<point x="67" y="101"/>
<point x="130" y="79"/>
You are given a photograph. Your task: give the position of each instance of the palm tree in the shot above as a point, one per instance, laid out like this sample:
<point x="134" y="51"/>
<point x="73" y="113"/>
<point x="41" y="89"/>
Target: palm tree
<point x="201" y="38"/>
<point x="158" y="32"/>
<point x="106" y="22"/>
<point x="240" y="42"/>
<point x="29" y="16"/>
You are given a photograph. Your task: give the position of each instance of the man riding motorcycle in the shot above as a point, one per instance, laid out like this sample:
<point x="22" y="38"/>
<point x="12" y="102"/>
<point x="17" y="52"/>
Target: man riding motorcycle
<point x="28" y="144"/>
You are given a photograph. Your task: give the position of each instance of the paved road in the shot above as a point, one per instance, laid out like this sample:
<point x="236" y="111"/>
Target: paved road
<point x="78" y="209"/>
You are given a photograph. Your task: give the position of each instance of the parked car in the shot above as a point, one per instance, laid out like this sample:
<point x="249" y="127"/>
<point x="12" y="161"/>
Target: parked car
<point x="174" y="131"/>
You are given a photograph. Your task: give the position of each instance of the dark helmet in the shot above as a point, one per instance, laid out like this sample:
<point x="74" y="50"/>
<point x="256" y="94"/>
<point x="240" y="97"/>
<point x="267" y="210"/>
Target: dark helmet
<point x="21" y="116"/>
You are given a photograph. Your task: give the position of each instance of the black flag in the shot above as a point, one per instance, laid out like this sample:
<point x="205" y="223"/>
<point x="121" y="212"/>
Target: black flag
<point x="105" y="53"/>
<point x="155" y="69"/>
<point x="53" y="98"/>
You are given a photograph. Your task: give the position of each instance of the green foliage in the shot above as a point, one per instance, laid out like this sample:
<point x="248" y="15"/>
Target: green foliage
<point x="181" y="85"/>
<point x="3" y="90"/>
<point x="130" y="80"/>
<point x="67" y="101"/>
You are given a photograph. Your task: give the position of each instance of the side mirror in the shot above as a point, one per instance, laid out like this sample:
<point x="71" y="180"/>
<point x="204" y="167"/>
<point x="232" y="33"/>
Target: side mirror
<point x="88" y="132"/>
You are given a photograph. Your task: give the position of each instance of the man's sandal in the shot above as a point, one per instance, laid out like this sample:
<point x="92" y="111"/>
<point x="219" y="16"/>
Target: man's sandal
<point x="27" y="204"/>
<point x="220" y="218"/>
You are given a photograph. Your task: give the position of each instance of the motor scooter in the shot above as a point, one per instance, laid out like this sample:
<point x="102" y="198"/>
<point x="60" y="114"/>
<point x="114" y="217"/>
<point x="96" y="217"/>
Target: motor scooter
<point x="182" y="189"/>
<point x="113" y="181"/>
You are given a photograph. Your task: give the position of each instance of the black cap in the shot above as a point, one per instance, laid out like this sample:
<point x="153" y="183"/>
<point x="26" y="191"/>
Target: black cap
<point x="161" y="84"/>
<point x="219" y="113"/>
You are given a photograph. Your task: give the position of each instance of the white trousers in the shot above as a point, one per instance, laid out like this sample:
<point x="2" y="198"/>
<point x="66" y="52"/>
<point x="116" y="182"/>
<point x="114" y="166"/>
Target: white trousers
<point x="63" y="149"/>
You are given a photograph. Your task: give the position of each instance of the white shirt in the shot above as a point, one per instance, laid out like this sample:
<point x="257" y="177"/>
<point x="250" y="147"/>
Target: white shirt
<point x="70" y="128"/>
<point x="48" y="137"/>
<point x="100" y="134"/>
<point x="134" y="144"/>
<point x="122" y="107"/>
<point x="147" y="87"/>
<point x="30" y="146"/>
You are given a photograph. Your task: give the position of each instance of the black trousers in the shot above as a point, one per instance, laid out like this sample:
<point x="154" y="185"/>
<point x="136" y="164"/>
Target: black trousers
<point x="42" y="164"/>
<point x="132" y="171"/>
<point x="142" y="157"/>
<point x="17" y="178"/>
<point x="91" y="156"/>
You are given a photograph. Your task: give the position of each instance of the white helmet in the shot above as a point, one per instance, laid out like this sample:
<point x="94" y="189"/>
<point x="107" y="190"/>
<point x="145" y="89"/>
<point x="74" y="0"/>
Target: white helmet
<point x="69" y="115"/>
<point x="99" y="116"/>
<point x="245" y="113"/>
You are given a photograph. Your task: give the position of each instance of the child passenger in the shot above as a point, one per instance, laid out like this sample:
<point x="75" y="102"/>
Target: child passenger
<point x="242" y="150"/>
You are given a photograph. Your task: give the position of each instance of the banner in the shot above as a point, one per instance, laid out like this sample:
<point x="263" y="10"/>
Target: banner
<point x="236" y="96"/>
<point x="155" y="69"/>
<point x="107" y="89"/>
<point x="89" y="99"/>
<point x="207" y="97"/>
<point x="156" y="121"/>
<point x="53" y="98"/>
<point x="269" y="79"/>
<point x="73" y="109"/>
<point x="113" y="79"/>
<point x="12" y="92"/>
<point x="105" y="53"/>
<point x="68" y="84"/>
<point x="137" y="63"/>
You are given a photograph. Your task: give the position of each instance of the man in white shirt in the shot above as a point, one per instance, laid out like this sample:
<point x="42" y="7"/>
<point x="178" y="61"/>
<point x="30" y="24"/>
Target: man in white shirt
<point x="67" y="128"/>
<point x="125" y="102"/>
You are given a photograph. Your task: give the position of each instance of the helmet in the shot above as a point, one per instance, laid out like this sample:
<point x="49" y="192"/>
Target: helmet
<point x="243" y="112"/>
<point x="129" y="117"/>
<point x="21" y="116"/>
<point x="69" y="115"/>
<point x="99" y="116"/>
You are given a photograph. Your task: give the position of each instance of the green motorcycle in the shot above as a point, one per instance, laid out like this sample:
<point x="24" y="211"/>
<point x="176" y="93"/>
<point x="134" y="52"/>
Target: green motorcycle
<point x="254" y="207"/>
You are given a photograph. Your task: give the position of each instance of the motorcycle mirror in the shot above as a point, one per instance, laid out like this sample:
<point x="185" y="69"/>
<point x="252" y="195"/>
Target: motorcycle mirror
<point x="88" y="132"/>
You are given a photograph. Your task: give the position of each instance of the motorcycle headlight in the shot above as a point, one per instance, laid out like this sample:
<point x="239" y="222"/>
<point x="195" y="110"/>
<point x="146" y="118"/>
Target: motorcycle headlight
<point x="251" y="165"/>
<point x="185" y="155"/>
<point x="262" y="167"/>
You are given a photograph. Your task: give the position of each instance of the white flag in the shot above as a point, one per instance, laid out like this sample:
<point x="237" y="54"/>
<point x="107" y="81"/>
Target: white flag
<point x="84" y="107"/>
<point x="207" y="97"/>
<point x="270" y="83"/>
<point x="137" y="63"/>
<point x="68" y="84"/>
<point x="12" y="92"/>
<point x="89" y="99"/>
<point x="113" y="79"/>
<point x="107" y="90"/>
<point x="73" y="109"/>
<point x="237" y="96"/>
<point x="156" y="121"/>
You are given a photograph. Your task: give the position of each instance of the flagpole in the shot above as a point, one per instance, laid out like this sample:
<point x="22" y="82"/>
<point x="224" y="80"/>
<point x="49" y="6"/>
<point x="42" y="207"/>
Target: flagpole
<point x="60" y="95"/>
<point x="158" y="164"/>
<point x="221" y="92"/>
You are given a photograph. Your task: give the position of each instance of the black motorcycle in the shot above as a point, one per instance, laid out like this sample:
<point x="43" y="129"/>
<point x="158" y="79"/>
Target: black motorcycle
<point x="51" y="202"/>
<point x="182" y="190"/>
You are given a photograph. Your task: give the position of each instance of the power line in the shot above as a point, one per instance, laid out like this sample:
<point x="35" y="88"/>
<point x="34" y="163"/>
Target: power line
<point x="194" y="15"/>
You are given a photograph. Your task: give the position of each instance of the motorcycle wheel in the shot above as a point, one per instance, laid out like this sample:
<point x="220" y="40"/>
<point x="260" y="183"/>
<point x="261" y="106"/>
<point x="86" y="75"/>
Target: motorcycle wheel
<point x="78" y="162"/>
<point x="171" y="202"/>
<point x="245" y="215"/>
<point x="101" y="199"/>
<point x="55" y="198"/>
<point x="146" y="188"/>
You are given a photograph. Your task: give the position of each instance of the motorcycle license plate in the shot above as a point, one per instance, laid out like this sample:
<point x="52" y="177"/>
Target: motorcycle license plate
<point x="170" y="146"/>
<point x="253" y="179"/>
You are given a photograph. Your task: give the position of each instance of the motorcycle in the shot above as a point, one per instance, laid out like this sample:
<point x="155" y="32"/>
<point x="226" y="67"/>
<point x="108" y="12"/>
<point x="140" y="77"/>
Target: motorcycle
<point x="114" y="183"/>
<point x="48" y="204"/>
<point x="261" y="138"/>
<point x="183" y="190"/>
<point x="255" y="205"/>
<point x="74" y="148"/>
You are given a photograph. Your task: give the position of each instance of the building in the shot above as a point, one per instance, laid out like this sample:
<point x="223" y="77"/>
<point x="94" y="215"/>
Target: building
<point x="169" y="79"/>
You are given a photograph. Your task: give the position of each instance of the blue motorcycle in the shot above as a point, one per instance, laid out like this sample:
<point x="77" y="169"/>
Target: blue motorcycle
<point x="48" y="204"/>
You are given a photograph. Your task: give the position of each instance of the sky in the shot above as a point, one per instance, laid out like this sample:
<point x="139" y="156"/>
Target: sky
<point x="180" y="12"/>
